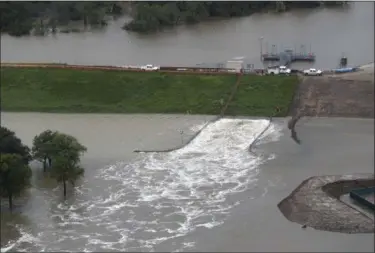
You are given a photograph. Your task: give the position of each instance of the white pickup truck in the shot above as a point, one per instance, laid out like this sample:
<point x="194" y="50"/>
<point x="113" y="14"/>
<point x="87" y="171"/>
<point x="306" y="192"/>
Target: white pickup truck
<point x="282" y="70"/>
<point x="150" y="67"/>
<point x="312" y="72"/>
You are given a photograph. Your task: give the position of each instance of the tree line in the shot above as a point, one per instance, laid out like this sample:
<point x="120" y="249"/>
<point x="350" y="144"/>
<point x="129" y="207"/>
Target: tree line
<point x="153" y="16"/>
<point x="20" y="18"/>
<point x="59" y="154"/>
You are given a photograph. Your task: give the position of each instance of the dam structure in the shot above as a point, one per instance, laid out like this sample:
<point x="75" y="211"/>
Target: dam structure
<point x="286" y="57"/>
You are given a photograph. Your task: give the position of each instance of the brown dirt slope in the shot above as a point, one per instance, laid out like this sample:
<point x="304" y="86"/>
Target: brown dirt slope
<point x="344" y="95"/>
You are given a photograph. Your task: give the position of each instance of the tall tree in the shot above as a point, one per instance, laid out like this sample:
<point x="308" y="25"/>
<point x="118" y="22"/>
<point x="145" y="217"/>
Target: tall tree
<point x="65" y="170"/>
<point x="66" y="155"/>
<point x="11" y="144"/>
<point x="15" y="176"/>
<point x="43" y="147"/>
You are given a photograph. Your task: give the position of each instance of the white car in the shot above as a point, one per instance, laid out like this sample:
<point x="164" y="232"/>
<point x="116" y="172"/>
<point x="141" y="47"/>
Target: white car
<point x="282" y="70"/>
<point x="149" y="67"/>
<point x="312" y="72"/>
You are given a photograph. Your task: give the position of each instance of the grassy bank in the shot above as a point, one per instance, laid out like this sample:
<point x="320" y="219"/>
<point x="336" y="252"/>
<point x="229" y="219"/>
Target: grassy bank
<point x="68" y="90"/>
<point x="261" y="95"/>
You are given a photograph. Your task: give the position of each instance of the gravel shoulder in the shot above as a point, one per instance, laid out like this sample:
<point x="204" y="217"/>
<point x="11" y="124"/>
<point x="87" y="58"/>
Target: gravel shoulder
<point x="337" y="95"/>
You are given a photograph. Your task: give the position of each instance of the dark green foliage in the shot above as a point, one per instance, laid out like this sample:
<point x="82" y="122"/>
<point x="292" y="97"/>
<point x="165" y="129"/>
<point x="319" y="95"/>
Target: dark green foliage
<point x="15" y="176"/>
<point x="11" y="144"/>
<point x="43" y="148"/>
<point x="19" y="18"/>
<point x="152" y="16"/>
<point x="64" y="152"/>
<point x="66" y="170"/>
<point x="15" y="18"/>
<point x="63" y="145"/>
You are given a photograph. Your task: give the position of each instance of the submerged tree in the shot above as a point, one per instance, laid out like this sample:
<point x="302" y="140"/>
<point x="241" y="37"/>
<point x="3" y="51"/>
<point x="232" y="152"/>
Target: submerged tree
<point x="18" y="18"/>
<point x="43" y="148"/>
<point x="151" y="16"/>
<point x="11" y="144"/>
<point x="15" y="176"/>
<point x="66" y="170"/>
<point x="65" y="153"/>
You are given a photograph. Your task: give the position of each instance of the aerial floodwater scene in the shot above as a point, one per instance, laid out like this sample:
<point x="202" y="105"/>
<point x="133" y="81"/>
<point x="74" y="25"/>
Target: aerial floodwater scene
<point x="187" y="126"/>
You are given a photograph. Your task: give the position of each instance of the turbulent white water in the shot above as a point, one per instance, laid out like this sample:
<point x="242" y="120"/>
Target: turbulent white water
<point x="160" y="196"/>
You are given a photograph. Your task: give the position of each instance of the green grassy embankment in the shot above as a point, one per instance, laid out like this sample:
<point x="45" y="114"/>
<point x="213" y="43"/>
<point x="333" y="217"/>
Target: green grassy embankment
<point x="100" y="91"/>
<point x="261" y="95"/>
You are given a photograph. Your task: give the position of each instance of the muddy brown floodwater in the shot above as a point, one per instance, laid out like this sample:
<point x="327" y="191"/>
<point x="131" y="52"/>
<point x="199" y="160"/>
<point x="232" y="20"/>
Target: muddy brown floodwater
<point x="370" y="198"/>
<point x="326" y="149"/>
<point x="325" y="30"/>
<point x="212" y="195"/>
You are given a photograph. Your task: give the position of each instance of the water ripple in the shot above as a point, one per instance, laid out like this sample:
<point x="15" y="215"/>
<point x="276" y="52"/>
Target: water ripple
<point x="160" y="197"/>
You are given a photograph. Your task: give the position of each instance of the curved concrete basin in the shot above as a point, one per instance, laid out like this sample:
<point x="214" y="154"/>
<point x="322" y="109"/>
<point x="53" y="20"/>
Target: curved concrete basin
<point x="316" y="203"/>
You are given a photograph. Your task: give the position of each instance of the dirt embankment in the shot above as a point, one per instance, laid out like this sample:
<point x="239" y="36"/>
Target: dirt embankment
<point x="344" y="95"/>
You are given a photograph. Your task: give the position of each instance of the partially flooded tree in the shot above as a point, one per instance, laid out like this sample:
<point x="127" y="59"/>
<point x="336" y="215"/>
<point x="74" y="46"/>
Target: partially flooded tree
<point x="66" y="170"/>
<point x="15" y="176"/>
<point x="11" y="144"/>
<point x="43" y="148"/>
<point x="66" y="156"/>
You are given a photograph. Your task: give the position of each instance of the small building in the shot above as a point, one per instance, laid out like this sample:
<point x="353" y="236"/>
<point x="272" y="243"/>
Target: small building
<point x="235" y="66"/>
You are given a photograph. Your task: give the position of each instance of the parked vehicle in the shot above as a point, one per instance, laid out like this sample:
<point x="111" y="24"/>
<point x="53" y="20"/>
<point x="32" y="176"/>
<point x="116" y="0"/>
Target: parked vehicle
<point x="282" y="70"/>
<point x="150" y="67"/>
<point x="312" y="72"/>
<point x="344" y="70"/>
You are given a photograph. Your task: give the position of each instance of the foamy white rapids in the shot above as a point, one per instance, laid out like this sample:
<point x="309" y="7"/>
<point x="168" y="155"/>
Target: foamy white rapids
<point x="166" y="196"/>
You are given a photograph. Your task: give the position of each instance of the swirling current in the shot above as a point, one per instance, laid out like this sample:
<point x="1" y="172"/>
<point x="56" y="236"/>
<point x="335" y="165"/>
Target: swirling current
<point x="159" y="198"/>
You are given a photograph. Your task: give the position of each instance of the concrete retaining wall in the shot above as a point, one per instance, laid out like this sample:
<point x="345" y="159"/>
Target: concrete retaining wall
<point x="316" y="203"/>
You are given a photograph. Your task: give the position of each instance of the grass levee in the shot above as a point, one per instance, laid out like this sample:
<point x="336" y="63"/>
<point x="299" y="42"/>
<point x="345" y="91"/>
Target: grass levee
<point x="262" y="95"/>
<point x="101" y="91"/>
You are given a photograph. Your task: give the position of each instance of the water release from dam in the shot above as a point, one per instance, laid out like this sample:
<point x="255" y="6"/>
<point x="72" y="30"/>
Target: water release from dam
<point x="153" y="202"/>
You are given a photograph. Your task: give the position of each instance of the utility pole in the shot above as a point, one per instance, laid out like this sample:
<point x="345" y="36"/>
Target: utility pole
<point x="261" y="47"/>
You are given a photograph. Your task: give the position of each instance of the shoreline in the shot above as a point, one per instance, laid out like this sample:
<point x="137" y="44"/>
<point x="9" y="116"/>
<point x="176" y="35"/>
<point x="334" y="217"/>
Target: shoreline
<point x="166" y="69"/>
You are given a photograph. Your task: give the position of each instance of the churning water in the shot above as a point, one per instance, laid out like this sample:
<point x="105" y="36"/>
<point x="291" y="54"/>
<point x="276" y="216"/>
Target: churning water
<point x="159" y="198"/>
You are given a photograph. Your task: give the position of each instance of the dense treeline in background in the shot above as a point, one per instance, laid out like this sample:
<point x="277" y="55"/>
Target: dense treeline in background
<point x="151" y="16"/>
<point x="23" y="18"/>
